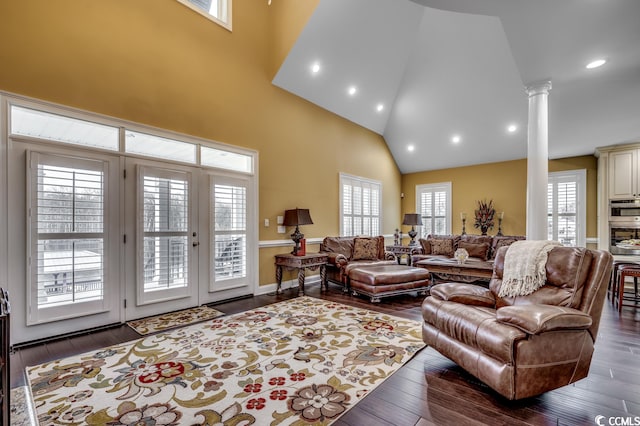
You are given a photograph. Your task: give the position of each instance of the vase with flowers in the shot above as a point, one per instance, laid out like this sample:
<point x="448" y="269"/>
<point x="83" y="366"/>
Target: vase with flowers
<point x="484" y="216"/>
<point x="461" y="255"/>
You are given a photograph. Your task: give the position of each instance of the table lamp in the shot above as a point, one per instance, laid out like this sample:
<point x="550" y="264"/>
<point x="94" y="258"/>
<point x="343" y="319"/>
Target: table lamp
<point x="295" y="218"/>
<point x="412" y="219"/>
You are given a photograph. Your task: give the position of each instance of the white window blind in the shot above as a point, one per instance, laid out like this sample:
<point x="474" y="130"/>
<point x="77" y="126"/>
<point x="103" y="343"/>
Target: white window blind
<point x="361" y="207"/>
<point x="566" y="211"/>
<point x="165" y="226"/>
<point x="229" y="217"/>
<point x="434" y="206"/>
<point x="67" y="227"/>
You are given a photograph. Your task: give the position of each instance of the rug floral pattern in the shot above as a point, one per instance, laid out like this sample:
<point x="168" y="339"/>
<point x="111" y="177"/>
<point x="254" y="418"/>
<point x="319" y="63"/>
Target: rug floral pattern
<point x="172" y="320"/>
<point x="300" y="362"/>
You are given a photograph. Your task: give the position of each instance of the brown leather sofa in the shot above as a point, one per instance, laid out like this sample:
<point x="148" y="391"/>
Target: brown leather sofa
<point x="346" y="253"/>
<point x="526" y="345"/>
<point x="482" y="250"/>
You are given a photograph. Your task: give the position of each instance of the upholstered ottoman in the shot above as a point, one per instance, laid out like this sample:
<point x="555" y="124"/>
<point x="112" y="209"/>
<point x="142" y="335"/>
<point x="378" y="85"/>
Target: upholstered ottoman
<point x="378" y="281"/>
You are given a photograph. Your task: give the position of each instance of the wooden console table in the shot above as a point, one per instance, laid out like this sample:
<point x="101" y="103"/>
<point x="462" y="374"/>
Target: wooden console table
<point x="400" y="250"/>
<point x="312" y="261"/>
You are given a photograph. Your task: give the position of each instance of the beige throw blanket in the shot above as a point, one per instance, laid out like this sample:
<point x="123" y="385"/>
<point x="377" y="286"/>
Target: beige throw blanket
<point x="524" y="267"/>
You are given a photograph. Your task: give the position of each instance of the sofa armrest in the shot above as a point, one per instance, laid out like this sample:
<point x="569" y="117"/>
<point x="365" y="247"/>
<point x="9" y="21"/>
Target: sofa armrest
<point x="467" y="294"/>
<point x="337" y="259"/>
<point x="535" y="319"/>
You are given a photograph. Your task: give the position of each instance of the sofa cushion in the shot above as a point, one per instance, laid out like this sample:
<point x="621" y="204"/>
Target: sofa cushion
<point x="474" y="326"/>
<point x="566" y="276"/>
<point x="476" y="239"/>
<point x="477" y="250"/>
<point x="503" y="241"/>
<point x="365" y="249"/>
<point x="443" y="244"/>
<point x="341" y="245"/>
<point x="426" y="245"/>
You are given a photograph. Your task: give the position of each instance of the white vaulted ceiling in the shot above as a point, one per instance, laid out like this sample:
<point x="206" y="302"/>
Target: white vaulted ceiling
<point x="459" y="67"/>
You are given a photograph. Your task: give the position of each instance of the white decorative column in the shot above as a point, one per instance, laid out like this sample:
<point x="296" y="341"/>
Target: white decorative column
<point x="537" y="160"/>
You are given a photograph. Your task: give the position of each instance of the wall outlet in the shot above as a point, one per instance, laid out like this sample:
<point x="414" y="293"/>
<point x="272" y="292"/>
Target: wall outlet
<point x="282" y="230"/>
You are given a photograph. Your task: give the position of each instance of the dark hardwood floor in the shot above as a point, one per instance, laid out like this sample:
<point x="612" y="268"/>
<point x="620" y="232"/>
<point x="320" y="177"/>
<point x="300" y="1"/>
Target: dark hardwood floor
<point x="432" y="390"/>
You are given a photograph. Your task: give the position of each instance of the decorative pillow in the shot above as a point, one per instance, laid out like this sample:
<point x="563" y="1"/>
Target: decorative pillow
<point x="444" y="247"/>
<point x="365" y="249"/>
<point x="479" y="250"/>
<point x="426" y="246"/>
<point x="503" y="242"/>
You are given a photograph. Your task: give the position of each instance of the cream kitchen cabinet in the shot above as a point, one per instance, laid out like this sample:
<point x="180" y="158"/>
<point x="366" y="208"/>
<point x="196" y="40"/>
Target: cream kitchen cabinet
<point x="623" y="174"/>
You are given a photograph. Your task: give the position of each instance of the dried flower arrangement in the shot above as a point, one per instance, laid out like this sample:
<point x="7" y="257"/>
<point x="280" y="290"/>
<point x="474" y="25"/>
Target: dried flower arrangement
<point x="484" y="216"/>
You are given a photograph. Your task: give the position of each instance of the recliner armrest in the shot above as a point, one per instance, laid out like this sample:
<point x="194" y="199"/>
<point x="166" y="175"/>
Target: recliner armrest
<point x="535" y="319"/>
<point x="467" y="294"/>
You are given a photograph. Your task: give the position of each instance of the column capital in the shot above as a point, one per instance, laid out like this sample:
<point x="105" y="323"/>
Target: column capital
<point x="538" y="88"/>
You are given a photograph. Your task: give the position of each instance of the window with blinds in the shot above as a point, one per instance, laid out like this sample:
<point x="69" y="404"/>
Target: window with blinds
<point x="566" y="212"/>
<point x="434" y="206"/>
<point x="67" y="228"/>
<point x="361" y="206"/>
<point x="229" y="217"/>
<point x="164" y="200"/>
<point x="219" y="11"/>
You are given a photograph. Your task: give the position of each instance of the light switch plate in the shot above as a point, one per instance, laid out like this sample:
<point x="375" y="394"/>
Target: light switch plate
<point x="282" y="230"/>
<point x="280" y="220"/>
<point x="266" y="223"/>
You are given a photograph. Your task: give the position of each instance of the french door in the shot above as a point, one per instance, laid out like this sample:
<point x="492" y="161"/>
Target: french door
<point x="108" y="220"/>
<point x="188" y="237"/>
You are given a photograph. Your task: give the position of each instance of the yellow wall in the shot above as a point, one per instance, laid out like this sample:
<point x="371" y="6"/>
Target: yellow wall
<point x="506" y="184"/>
<point x="159" y="63"/>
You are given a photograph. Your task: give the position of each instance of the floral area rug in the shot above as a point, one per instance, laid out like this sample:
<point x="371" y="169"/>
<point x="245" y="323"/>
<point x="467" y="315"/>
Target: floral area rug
<point x="171" y="320"/>
<point x="299" y="362"/>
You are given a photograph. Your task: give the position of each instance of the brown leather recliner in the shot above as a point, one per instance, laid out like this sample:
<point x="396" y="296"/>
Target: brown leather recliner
<point x="526" y="345"/>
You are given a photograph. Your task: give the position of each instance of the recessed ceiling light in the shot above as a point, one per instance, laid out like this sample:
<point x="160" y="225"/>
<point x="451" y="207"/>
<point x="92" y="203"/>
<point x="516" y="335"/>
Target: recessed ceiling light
<point x="456" y="139"/>
<point x="411" y="148"/>
<point x="315" y="68"/>
<point x="512" y="128"/>
<point x="352" y="90"/>
<point x="380" y="107"/>
<point x="597" y="63"/>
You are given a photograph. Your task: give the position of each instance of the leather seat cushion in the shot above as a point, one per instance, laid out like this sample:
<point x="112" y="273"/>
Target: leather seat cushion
<point x="387" y="274"/>
<point x="474" y="326"/>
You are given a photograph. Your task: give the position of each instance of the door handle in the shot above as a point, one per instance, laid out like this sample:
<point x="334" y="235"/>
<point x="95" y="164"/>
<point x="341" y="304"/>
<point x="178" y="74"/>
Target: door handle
<point x="196" y="243"/>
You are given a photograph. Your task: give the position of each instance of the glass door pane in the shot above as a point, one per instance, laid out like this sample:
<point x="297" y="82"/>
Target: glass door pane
<point x="164" y="238"/>
<point x="229" y="225"/>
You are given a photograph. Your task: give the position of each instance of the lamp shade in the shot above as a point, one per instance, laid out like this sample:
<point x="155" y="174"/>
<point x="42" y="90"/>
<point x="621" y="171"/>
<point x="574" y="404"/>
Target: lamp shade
<point x="297" y="217"/>
<point x="412" y="219"/>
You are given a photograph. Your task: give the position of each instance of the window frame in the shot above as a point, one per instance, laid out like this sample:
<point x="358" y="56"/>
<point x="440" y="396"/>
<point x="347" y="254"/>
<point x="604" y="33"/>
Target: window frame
<point x="35" y="314"/>
<point x="580" y="177"/>
<point x="344" y="178"/>
<point x="433" y="187"/>
<point x="227" y="24"/>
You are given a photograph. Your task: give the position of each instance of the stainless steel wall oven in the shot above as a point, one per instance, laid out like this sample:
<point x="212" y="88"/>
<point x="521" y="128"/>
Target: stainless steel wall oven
<point x="624" y="227"/>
